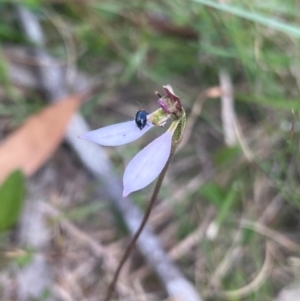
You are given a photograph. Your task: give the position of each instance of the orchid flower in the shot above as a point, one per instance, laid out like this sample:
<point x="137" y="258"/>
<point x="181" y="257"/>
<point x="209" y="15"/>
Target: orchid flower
<point x="145" y="167"/>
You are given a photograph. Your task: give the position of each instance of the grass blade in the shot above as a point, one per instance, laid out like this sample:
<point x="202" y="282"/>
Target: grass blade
<point x="255" y="17"/>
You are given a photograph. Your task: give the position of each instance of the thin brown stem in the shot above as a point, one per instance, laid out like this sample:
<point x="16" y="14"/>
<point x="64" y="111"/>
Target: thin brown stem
<point x="131" y="245"/>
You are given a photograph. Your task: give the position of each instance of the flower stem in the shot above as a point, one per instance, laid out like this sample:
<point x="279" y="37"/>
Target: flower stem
<point x="131" y="245"/>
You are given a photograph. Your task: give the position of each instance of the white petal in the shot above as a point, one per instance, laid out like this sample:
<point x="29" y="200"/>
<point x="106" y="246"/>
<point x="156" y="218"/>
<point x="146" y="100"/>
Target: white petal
<point x="145" y="167"/>
<point x="116" y="134"/>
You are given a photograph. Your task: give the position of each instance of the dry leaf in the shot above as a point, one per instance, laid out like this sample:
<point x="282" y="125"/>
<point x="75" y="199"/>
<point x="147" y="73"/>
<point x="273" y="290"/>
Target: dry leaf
<point x="33" y="143"/>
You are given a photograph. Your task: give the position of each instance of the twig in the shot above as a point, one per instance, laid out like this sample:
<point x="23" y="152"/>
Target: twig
<point x="212" y="92"/>
<point x="80" y="237"/>
<point x="109" y="261"/>
<point x="184" y="246"/>
<point x="289" y="293"/>
<point x="138" y="287"/>
<point x="227" y="109"/>
<point x="235" y="250"/>
<point x="231" y="256"/>
<point x="254" y="285"/>
<point x="163" y="211"/>
<point x="31" y="26"/>
<point x="193" y="239"/>
<point x="232" y="131"/>
<point x="272" y="234"/>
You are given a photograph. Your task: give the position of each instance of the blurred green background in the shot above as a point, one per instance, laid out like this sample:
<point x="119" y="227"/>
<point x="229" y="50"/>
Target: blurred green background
<point x="136" y="47"/>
